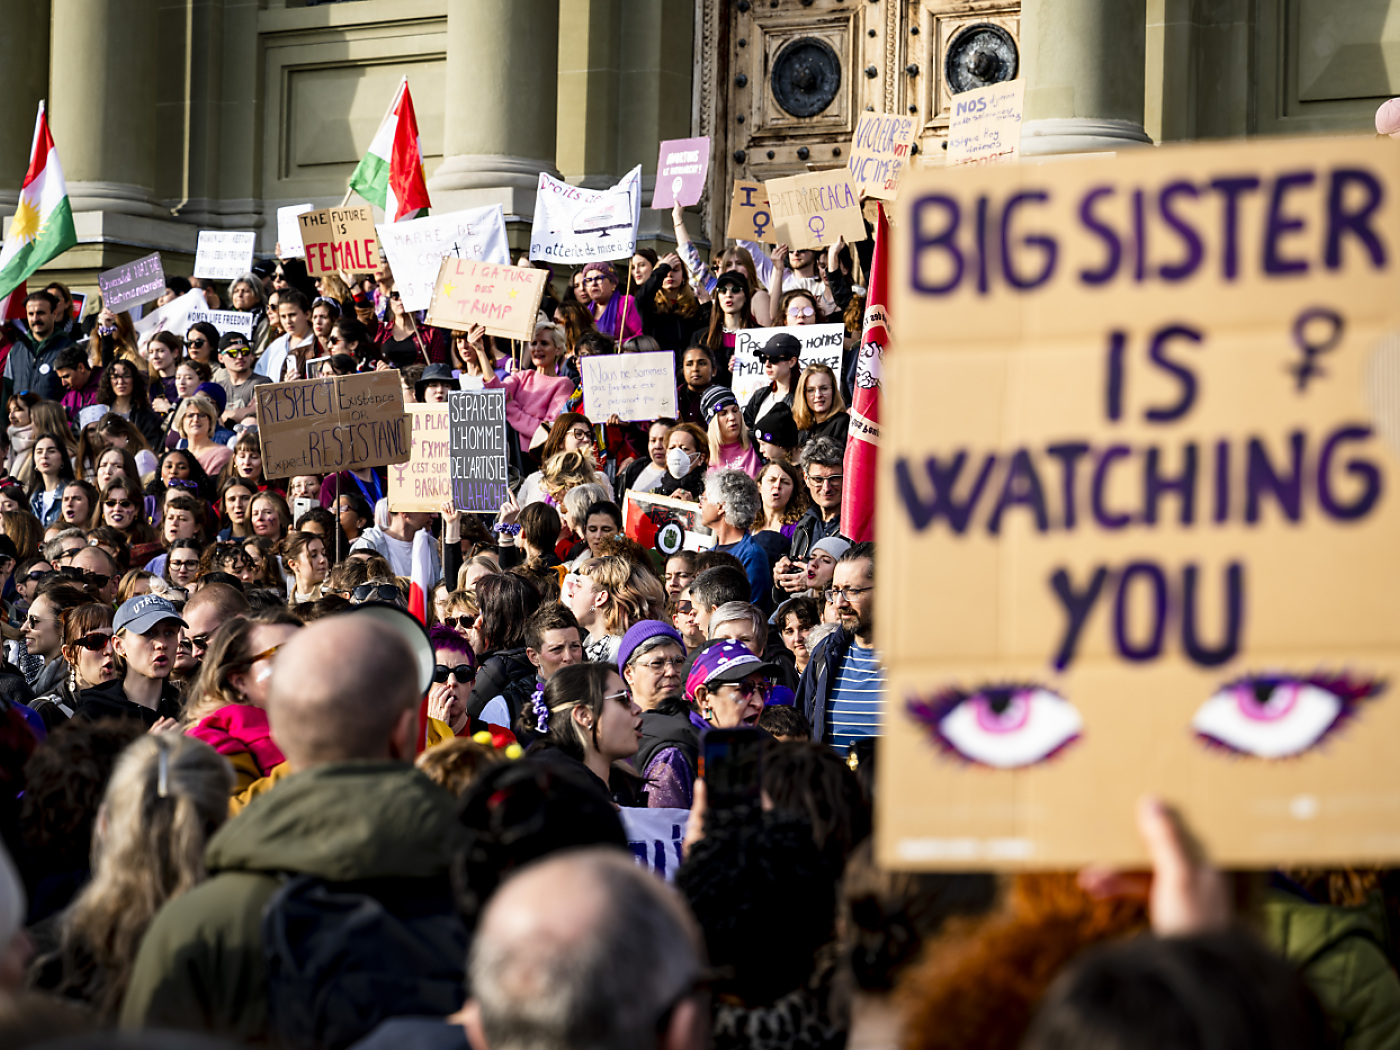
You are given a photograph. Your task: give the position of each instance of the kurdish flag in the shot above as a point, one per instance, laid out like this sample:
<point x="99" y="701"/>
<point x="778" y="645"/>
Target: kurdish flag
<point x="391" y="175"/>
<point x="42" y="226"/>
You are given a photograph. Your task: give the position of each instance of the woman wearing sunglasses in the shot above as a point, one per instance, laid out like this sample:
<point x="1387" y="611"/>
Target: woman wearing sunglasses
<point x="585" y="717"/>
<point x="728" y="685"/>
<point x="124" y="509"/>
<point x="454" y="674"/>
<point x="74" y="636"/>
<point x="227" y="705"/>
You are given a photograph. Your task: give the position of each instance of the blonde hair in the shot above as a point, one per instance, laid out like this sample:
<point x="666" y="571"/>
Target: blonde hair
<point x="633" y="593"/>
<point x="556" y="335"/>
<point x="168" y="794"/>
<point x="801" y="411"/>
<point x="745" y="441"/>
<point x="566" y="470"/>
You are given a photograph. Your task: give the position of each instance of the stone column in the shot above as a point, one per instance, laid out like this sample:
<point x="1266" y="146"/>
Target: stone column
<point x="502" y="94"/>
<point x="24" y="56"/>
<point x="1084" y="68"/>
<point x="102" y="103"/>
<point x="590" y="44"/>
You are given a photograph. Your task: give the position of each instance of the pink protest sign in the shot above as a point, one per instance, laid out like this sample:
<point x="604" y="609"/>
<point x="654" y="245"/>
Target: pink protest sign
<point x="680" y="172"/>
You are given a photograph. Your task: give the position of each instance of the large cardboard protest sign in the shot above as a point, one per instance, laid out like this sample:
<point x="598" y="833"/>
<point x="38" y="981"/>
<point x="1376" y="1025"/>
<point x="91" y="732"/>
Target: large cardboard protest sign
<point x="289" y="230"/>
<point x="424" y="482"/>
<point x="224" y="255"/>
<point x="476" y="429"/>
<point x="749" y="216"/>
<point x="821" y="344"/>
<point x="1137" y="508"/>
<point x="415" y="248"/>
<point x="814" y="210"/>
<point x="316" y="426"/>
<point x="681" y="167"/>
<point x="985" y="123"/>
<point x="339" y="239"/>
<point x="132" y="284"/>
<point x="240" y="321"/>
<point x="630" y="386"/>
<point x="880" y="149"/>
<point x="504" y="299"/>
<point x="577" y="225"/>
<point x="663" y="524"/>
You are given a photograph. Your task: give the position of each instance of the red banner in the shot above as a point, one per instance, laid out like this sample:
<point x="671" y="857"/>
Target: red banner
<point x="862" y="447"/>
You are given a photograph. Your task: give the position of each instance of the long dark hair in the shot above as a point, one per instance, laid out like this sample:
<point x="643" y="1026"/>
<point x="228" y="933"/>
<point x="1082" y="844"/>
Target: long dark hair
<point x="578" y="685"/>
<point x="506" y="602"/>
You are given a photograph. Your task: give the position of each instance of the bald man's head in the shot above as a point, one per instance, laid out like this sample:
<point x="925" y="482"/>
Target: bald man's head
<point x="345" y="688"/>
<point x="585" y="950"/>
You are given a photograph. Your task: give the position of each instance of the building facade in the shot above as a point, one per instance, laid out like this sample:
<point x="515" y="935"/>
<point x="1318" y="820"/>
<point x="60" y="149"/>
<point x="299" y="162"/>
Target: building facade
<point x="173" y="116"/>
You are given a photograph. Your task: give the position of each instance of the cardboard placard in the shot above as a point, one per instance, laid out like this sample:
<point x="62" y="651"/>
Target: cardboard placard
<point x="1137" y="508"/>
<point x="681" y="168"/>
<point x="505" y="299"/>
<point x="226" y="321"/>
<point x="664" y="524"/>
<point x="415" y="248"/>
<point x="576" y="225"/>
<point x="224" y="255"/>
<point x="632" y="386"/>
<point x="316" y="426"/>
<point x="476" y="433"/>
<point x="821" y="344"/>
<point x="425" y="481"/>
<point x="289" y="230"/>
<point x="880" y="150"/>
<point x="749" y="217"/>
<point x="984" y="124"/>
<point x="654" y="836"/>
<point x="339" y="239"/>
<point x="813" y="210"/>
<point x="132" y="284"/>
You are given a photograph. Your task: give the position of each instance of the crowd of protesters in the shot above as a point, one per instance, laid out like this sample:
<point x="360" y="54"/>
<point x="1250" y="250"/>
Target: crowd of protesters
<point x="238" y="796"/>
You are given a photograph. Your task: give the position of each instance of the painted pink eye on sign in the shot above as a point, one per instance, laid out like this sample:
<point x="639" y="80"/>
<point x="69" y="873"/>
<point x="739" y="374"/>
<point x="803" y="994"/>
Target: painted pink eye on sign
<point x="1279" y="716"/>
<point x="1002" y="726"/>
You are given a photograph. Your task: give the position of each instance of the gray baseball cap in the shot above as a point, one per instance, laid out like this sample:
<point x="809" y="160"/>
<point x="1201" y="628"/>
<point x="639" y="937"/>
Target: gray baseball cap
<point x="142" y="613"/>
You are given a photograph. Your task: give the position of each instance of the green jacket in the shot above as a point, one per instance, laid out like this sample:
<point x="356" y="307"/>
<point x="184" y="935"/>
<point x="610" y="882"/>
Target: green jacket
<point x="1341" y="954"/>
<point x="200" y="966"/>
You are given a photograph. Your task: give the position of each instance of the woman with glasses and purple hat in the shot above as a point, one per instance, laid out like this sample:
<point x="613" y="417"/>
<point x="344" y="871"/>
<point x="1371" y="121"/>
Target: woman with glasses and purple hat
<point x="614" y="313"/>
<point x="652" y="661"/>
<point x="728" y="686"/>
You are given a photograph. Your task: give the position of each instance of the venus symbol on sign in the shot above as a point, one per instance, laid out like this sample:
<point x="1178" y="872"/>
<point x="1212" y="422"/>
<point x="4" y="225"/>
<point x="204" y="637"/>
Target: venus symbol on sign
<point x="1309" y="323"/>
<point x="816" y="230"/>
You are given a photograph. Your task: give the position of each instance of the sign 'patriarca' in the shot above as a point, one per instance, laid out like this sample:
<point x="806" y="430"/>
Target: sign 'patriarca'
<point x="1138" y="508"/>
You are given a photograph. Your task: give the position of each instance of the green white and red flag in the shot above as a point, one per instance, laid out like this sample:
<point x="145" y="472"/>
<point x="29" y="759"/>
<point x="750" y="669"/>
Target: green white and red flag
<point x="391" y="173"/>
<point x="42" y="226"/>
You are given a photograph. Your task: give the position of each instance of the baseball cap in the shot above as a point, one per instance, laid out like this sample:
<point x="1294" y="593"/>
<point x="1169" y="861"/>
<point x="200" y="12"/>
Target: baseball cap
<point x="714" y="400"/>
<point x="781" y="347"/>
<point x="737" y="278"/>
<point x="142" y="613"/>
<point x="231" y="339"/>
<point x="777" y="427"/>
<point x="724" y="661"/>
<point x="644" y="631"/>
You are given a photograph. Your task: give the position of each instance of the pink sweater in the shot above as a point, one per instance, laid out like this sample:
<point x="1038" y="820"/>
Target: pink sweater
<point x="735" y="455"/>
<point x="532" y="399"/>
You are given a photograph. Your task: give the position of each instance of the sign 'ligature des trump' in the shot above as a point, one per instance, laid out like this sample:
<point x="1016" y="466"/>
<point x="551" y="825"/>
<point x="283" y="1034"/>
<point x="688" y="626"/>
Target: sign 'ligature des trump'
<point x="1138" y="507"/>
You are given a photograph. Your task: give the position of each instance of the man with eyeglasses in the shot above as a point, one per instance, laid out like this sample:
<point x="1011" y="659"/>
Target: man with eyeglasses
<point x="822" y="468"/>
<point x="652" y="662"/>
<point x="238" y="377"/>
<point x="208" y="607"/>
<point x="841" y="689"/>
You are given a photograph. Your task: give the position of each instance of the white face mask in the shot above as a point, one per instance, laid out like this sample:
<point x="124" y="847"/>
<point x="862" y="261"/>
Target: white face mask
<point x="678" y="462"/>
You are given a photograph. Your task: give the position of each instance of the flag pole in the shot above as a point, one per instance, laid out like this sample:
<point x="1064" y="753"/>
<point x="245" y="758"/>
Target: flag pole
<point x="622" y="323"/>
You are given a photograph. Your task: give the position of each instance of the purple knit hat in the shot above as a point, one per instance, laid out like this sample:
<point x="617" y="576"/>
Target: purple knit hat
<point x="641" y="631"/>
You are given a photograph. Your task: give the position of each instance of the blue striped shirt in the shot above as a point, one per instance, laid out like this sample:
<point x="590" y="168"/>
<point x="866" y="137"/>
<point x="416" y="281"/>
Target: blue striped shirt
<point x="853" y="708"/>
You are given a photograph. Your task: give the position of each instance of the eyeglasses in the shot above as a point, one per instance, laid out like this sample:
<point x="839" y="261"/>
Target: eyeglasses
<point x="199" y="642"/>
<point x="184" y="565"/>
<point x="596" y="278"/>
<point x="824" y="481"/>
<point x="196" y="344"/>
<point x="95" y="642"/>
<point x="801" y="311"/>
<point x="384" y="592"/>
<point x="335" y="340"/>
<point x="459" y="622"/>
<point x="748" y="687"/>
<point x="35" y="575"/>
<point x="126" y="503"/>
<point x="265" y="654"/>
<point x="181" y="483"/>
<point x="94" y="579"/>
<point x="622" y="698"/>
<point x="579" y="434"/>
<point x="841" y="594"/>
<point x="668" y="663"/>
<point x="685" y="607"/>
<point x="238" y="351"/>
<point x="33" y="621"/>
<point x="395" y="296"/>
<point x="462" y="672"/>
